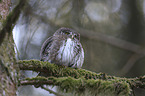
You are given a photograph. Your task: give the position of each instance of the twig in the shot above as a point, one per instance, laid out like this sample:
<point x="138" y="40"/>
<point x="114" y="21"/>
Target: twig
<point x="34" y="82"/>
<point x="51" y="91"/>
<point x="130" y="63"/>
<point x="111" y="40"/>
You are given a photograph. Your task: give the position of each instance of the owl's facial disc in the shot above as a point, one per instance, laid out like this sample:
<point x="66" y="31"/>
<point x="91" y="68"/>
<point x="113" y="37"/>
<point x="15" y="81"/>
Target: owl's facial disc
<point x="68" y="32"/>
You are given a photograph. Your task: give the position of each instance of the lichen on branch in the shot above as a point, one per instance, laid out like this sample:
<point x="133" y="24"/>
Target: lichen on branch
<point x="70" y="79"/>
<point x="60" y="71"/>
<point x="80" y="85"/>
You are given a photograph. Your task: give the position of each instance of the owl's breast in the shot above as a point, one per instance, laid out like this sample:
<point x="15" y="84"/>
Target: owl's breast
<point x="66" y="52"/>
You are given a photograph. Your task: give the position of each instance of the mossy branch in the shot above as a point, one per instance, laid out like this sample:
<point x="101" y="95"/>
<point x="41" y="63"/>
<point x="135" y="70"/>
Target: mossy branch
<point x="78" y="79"/>
<point x="70" y="84"/>
<point x="60" y="71"/>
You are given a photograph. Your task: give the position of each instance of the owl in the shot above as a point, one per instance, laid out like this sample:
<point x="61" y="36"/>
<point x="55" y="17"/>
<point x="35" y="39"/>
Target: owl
<point x="63" y="48"/>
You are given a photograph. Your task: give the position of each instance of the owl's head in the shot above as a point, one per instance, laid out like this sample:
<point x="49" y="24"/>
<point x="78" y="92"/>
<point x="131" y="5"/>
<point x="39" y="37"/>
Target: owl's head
<point x="68" y="33"/>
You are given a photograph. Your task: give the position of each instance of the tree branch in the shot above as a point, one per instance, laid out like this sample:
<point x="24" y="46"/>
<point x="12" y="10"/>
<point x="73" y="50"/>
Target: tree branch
<point x="70" y="79"/>
<point x="112" y="40"/>
<point x="70" y="84"/>
<point x="130" y="63"/>
<point x="59" y="71"/>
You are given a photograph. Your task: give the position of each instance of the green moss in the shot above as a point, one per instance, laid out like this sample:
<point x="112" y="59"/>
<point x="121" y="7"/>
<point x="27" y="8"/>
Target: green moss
<point x="94" y="87"/>
<point x="78" y="80"/>
<point x="59" y="71"/>
<point x="8" y="67"/>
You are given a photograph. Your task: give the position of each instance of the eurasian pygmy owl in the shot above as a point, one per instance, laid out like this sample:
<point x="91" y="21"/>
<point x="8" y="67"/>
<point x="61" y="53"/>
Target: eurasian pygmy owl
<point x="63" y="48"/>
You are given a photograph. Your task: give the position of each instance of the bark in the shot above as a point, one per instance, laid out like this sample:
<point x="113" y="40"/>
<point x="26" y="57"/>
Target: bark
<point x="8" y="67"/>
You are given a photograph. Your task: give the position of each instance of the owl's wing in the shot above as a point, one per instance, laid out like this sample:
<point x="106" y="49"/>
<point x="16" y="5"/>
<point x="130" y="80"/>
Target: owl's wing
<point x="45" y="47"/>
<point x="50" y="47"/>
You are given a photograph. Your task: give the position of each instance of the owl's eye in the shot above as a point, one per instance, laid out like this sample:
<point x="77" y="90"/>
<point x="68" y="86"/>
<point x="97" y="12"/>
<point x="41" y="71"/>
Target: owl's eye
<point x="75" y="36"/>
<point x="67" y="33"/>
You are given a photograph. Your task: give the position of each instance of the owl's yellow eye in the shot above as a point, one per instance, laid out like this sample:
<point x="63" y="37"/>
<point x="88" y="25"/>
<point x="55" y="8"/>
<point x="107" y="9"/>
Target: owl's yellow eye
<point x="67" y="33"/>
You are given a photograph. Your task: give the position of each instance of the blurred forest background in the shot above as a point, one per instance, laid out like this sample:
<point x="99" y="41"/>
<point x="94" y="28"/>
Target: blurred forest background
<point x="112" y="34"/>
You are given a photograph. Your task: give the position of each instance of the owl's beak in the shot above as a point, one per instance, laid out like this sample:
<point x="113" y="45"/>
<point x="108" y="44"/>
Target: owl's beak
<point x="72" y="36"/>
